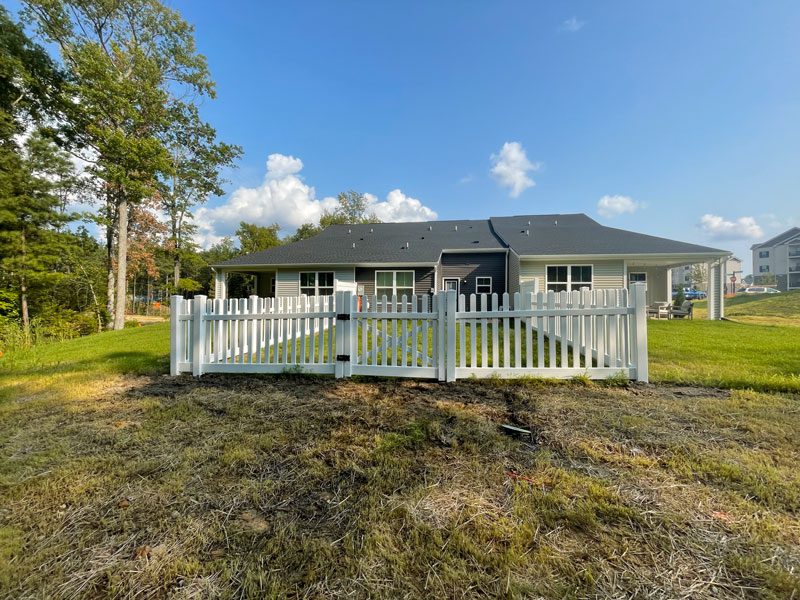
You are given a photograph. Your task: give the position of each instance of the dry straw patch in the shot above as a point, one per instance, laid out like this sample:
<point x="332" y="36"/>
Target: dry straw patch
<point x="302" y="487"/>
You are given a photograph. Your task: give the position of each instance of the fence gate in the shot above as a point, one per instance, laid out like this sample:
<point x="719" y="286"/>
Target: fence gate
<point x="600" y="333"/>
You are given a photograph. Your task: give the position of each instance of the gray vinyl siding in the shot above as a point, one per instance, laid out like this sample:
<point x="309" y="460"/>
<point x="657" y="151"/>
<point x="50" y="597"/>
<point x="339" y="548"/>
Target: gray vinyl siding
<point x="287" y="282"/>
<point x="605" y="273"/>
<point x="513" y="272"/>
<point x="469" y="265"/>
<point x="657" y="288"/>
<point x="423" y="278"/>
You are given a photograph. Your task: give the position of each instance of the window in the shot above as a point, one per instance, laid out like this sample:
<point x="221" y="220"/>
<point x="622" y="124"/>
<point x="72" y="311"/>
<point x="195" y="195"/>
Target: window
<point x="637" y="277"/>
<point x="483" y="285"/>
<point x="316" y="284"/>
<point x="763" y="254"/>
<point x="763" y="269"/>
<point x="565" y="278"/>
<point x="389" y="283"/>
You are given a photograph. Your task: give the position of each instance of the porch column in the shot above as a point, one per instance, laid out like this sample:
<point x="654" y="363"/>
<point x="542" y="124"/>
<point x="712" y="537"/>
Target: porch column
<point x="716" y="291"/>
<point x="220" y="285"/>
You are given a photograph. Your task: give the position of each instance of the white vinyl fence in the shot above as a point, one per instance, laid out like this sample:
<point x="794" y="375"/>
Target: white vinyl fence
<point x="599" y="333"/>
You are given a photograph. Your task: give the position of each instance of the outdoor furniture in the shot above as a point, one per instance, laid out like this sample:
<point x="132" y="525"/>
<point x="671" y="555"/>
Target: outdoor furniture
<point x="685" y="310"/>
<point x="659" y="310"/>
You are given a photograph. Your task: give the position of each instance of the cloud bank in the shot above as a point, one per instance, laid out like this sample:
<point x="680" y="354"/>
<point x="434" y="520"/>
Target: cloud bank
<point x="613" y="206"/>
<point x="718" y="228"/>
<point x="284" y="198"/>
<point x="510" y="168"/>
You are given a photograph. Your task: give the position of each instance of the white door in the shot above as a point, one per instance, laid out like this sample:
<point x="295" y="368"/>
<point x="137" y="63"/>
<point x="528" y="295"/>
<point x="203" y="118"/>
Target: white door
<point x="450" y="283"/>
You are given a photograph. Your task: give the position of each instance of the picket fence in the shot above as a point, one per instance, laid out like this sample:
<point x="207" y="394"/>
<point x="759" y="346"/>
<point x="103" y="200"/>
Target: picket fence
<point x="599" y="333"/>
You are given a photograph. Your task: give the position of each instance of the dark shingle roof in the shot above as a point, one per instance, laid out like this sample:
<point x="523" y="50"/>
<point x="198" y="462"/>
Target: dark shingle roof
<point x="526" y="234"/>
<point x="541" y="235"/>
<point x="377" y="243"/>
<point x="778" y="239"/>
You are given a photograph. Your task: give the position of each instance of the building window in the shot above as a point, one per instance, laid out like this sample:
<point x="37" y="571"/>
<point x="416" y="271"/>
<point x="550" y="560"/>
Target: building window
<point x="388" y="283"/>
<point x="483" y="285"/>
<point x="566" y="278"/>
<point x="316" y="283"/>
<point x="763" y="254"/>
<point x="637" y="278"/>
<point x="763" y="269"/>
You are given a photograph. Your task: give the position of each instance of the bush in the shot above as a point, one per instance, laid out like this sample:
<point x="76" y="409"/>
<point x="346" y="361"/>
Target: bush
<point x="680" y="298"/>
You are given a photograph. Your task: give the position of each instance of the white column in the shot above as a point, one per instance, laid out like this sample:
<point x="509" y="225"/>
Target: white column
<point x="220" y="285"/>
<point x="716" y="291"/>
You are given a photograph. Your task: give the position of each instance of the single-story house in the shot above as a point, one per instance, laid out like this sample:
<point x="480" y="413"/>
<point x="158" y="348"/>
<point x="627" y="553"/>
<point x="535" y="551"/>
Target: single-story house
<point x="496" y="255"/>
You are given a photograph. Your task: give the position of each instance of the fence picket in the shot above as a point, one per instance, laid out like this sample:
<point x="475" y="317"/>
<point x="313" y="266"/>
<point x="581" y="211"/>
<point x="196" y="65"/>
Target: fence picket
<point x="599" y="332"/>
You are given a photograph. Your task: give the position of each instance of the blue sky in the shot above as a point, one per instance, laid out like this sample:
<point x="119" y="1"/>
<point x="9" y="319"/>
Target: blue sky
<point x="683" y="109"/>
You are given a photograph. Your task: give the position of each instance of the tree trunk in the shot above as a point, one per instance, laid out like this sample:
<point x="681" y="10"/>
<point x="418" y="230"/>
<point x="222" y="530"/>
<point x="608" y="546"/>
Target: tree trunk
<point x="122" y="263"/>
<point x="110" y="264"/>
<point x="23" y="294"/>
<point x="176" y="273"/>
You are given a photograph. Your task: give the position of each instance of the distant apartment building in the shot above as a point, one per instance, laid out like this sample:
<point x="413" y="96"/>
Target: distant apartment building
<point x="778" y="260"/>
<point x="682" y="276"/>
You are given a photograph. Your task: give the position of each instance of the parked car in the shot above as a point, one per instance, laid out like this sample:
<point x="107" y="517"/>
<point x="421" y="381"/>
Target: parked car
<point x="759" y="289"/>
<point x="691" y="294"/>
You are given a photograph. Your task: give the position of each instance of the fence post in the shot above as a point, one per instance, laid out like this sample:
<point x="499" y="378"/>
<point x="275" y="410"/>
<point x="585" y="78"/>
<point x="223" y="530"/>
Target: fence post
<point x="351" y="343"/>
<point x="340" y="332"/>
<point x="176" y="339"/>
<point x="440" y="335"/>
<point x="198" y="335"/>
<point x="639" y="331"/>
<point x="450" y="350"/>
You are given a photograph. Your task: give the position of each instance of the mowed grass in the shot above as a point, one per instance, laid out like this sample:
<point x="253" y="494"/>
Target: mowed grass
<point x="757" y="348"/>
<point x="116" y="481"/>
<point x="725" y="354"/>
<point x="761" y="309"/>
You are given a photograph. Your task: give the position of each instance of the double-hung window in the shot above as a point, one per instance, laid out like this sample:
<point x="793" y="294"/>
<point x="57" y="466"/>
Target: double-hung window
<point x="315" y="283"/>
<point x="566" y="278"/>
<point x="388" y="283"/>
<point x="763" y="254"/>
<point x="483" y="285"/>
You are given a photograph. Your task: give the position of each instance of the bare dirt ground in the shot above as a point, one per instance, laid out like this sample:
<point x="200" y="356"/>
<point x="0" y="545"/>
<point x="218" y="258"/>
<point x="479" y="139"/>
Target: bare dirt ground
<point x="311" y="487"/>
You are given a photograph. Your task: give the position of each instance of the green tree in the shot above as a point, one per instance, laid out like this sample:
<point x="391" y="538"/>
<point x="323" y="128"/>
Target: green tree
<point x="131" y="65"/>
<point x="253" y="238"/>
<point x="352" y="209"/>
<point x="305" y="231"/>
<point x="197" y="161"/>
<point x="32" y="245"/>
<point x="698" y="275"/>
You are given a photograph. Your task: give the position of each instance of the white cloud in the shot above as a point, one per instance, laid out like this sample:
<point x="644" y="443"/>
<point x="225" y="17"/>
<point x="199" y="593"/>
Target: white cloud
<point x="284" y="198"/>
<point x="511" y="167"/>
<point x="572" y="25"/>
<point x="399" y="207"/>
<point x="744" y="228"/>
<point x="613" y="206"/>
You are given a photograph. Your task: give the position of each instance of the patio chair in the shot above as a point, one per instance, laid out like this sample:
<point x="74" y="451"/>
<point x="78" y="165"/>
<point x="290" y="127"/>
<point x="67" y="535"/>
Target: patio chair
<point x="685" y="310"/>
<point x="659" y="310"/>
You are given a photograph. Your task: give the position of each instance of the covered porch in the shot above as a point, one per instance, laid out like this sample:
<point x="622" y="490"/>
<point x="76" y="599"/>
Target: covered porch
<point x="656" y="273"/>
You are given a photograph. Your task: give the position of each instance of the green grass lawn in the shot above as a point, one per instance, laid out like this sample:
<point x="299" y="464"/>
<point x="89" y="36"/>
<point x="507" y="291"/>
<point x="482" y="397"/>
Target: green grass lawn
<point x="760" y="309"/>
<point x="725" y="354"/>
<point x="117" y="481"/>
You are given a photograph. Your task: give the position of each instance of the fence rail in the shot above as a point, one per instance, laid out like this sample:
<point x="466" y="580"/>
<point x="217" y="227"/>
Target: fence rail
<point x="600" y="333"/>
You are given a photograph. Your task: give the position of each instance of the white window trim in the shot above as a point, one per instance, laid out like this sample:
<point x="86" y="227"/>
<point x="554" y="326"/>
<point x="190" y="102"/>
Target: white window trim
<point x="634" y="273"/>
<point x="300" y="285"/>
<point x="490" y="284"/>
<point x="394" y="280"/>
<point x="569" y="275"/>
